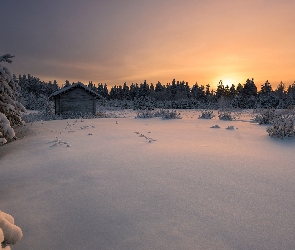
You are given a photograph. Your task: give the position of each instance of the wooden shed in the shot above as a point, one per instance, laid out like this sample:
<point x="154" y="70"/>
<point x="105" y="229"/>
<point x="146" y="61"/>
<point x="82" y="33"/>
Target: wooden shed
<point x="75" y="99"/>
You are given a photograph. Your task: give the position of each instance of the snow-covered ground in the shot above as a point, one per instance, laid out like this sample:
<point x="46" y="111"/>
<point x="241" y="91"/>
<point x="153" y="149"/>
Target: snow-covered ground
<point x="103" y="185"/>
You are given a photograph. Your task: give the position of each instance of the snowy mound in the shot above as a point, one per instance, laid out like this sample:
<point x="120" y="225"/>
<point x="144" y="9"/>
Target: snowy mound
<point x="10" y="234"/>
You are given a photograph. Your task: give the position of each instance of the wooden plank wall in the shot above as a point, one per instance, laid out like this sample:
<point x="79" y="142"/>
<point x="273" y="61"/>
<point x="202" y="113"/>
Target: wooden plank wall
<point x="76" y="100"/>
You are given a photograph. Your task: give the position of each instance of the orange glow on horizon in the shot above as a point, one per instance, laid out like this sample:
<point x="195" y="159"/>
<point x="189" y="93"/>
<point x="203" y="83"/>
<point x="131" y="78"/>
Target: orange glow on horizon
<point x="191" y="41"/>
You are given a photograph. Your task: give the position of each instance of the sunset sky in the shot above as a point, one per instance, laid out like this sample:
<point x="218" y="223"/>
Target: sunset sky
<point x="117" y="41"/>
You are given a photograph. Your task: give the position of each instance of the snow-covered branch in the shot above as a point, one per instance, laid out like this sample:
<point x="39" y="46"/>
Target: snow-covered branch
<point x="10" y="108"/>
<point x="6" y="58"/>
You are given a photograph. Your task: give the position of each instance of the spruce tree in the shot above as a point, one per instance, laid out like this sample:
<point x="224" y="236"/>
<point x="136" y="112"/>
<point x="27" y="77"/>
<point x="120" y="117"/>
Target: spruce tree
<point x="10" y="108"/>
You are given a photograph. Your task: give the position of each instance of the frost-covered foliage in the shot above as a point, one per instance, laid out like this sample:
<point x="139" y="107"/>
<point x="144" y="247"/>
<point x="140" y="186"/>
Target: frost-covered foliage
<point x="102" y="114"/>
<point x="225" y="115"/>
<point x="41" y="103"/>
<point x="34" y="91"/>
<point x="144" y="102"/>
<point x="159" y="112"/>
<point x="145" y="113"/>
<point x="10" y="108"/>
<point x="281" y="121"/>
<point x="10" y="234"/>
<point x="167" y="114"/>
<point x="264" y="116"/>
<point x="228" y="114"/>
<point x="206" y="114"/>
<point x="164" y="114"/>
<point x="115" y="104"/>
<point x="282" y="126"/>
<point x="43" y="110"/>
<point x="6" y="131"/>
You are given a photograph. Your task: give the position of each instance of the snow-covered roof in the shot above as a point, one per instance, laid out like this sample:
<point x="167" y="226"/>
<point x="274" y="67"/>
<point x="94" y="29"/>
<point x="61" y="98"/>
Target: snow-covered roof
<point x="75" y="85"/>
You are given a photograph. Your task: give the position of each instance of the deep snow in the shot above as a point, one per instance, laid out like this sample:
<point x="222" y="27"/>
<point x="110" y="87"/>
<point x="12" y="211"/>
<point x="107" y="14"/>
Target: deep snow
<point x="191" y="187"/>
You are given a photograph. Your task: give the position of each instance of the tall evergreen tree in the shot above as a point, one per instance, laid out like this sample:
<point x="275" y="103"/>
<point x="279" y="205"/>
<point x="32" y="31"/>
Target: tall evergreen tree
<point x="10" y="107"/>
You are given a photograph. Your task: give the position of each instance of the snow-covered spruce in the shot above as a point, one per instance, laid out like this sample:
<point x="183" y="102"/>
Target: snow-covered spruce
<point x="10" y="234"/>
<point x="10" y="108"/>
<point x="282" y="126"/>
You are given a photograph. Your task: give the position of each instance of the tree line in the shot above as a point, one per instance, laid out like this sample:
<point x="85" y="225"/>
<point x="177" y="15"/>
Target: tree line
<point x="177" y="94"/>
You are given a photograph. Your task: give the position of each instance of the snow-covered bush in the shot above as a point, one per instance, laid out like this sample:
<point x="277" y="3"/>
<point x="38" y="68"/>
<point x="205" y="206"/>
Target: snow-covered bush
<point x="145" y="114"/>
<point x="206" y="114"/>
<point x="10" y="234"/>
<point x="10" y="108"/>
<point x="225" y="115"/>
<point x="41" y="103"/>
<point x="167" y="114"/>
<point x="101" y="114"/>
<point x="6" y="131"/>
<point x="158" y="112"/>
<point x="281" y="126"/>
<point x="264" y="116"/>
<point x="228" y="114"/>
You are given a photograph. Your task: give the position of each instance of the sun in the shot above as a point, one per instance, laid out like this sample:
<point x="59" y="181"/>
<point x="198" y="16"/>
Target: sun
<point x="228" y="81"/>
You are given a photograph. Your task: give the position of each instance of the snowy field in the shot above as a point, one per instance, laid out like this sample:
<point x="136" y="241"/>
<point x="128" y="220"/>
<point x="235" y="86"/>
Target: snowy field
<point x="106" y="187"/>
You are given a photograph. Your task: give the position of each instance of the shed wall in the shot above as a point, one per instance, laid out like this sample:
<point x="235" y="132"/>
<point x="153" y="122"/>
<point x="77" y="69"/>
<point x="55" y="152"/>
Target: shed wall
<point x="76" y="100"/>
<point x="57" y="104"/>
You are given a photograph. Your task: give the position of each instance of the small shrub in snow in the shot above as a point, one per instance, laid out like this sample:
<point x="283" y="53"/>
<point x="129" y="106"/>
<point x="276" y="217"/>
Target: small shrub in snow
<point x="206" y="114"/>
<point x="146" y="113"/>
<point x="264" y="116"/>
<point x="10" y="234"/>
<point x="167" y="114"/>
<point x="102" y="114"/>
<point x="281" y="126"/>
<point x="228" y="115"/>
<point x="158" y="112"/>
<point x="225" y="115"/>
